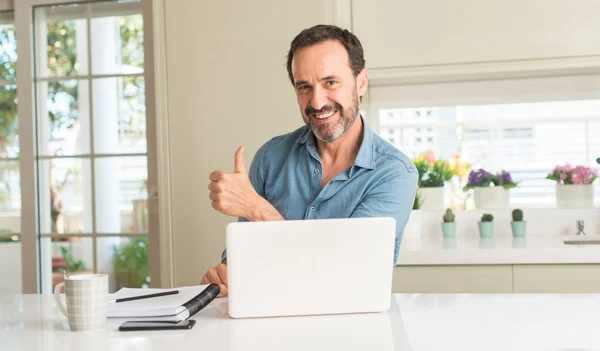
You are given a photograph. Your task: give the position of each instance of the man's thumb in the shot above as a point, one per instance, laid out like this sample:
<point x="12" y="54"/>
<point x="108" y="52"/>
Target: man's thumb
<point x="239" y="166"/>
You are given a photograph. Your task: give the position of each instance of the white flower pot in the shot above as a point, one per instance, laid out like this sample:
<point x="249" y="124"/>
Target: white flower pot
<point x="431" y="199"/>
<point x="575" y="195"/>
<point x="495" y="197"/>
<point x="413" y="226"/>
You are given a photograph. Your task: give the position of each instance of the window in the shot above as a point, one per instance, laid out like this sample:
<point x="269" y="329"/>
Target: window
<point x="526" y="139"/>
<point x="79" y="144"/>
<point x="91" y="148"/>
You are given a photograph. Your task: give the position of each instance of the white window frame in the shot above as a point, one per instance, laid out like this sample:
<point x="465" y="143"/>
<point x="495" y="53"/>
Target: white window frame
<point x="160" y="248"/>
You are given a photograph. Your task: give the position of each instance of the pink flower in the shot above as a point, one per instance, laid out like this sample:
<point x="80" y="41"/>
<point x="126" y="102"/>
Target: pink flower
<point x="586" y="179"/>
<point x="568" y="174"/>
<point x="430" y="157"/>
<point x="564" y="169"/>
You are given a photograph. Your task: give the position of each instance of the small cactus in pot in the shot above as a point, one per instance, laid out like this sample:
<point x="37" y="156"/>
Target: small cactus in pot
<point x="517" y="215"/>
<point x="448" y="224"/>
<point x="486" y="225"/>
<point x="518" y="225"/>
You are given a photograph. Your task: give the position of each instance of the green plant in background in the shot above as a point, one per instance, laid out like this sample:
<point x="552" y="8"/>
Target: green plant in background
<point x="72" y="266"/>
<point x="517" y="215"/>
<point x="487" y="217"/>
<point x="131" y="263"/>
<point x="12" y="239"/>
<point x="432" y="173"/>
<point x="448" y="216"/>
<point x="417" y="202"/>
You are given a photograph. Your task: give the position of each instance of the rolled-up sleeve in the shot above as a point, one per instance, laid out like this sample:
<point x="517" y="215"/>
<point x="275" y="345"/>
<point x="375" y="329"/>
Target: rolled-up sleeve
<point x="393" y="196"/>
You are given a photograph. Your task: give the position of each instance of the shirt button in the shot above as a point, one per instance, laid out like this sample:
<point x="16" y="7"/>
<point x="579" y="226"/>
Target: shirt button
<point x="312" y="208"/>
<point x="316" y="170"/>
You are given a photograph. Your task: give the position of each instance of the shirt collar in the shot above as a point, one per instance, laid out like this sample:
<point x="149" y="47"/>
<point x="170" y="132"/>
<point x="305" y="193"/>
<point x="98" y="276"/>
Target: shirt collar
<point x="364" y="158"/>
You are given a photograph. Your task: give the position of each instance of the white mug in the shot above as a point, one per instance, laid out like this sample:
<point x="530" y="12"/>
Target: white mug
<point x="87" y="299"/>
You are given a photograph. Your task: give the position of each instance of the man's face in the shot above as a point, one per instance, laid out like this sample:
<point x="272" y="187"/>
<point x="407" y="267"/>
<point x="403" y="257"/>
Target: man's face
<point x="327" y="91"/>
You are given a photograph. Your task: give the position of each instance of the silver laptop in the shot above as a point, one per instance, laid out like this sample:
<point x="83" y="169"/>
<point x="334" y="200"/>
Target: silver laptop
<point x="310" y="267"/>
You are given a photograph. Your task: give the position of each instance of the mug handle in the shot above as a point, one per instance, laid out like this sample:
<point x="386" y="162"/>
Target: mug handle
<point x="59" y="302"/>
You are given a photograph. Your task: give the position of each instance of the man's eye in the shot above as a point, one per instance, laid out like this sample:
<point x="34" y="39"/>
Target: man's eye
<point x="303" y="88"/>
<point x="331" y="83"/>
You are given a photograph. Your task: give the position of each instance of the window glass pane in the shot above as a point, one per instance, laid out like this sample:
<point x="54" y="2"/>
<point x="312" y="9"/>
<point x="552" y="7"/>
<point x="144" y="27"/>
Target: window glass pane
<point x="65" y="196"/>
<point x="10" y="197"/>
<point x="10" y="256"/>
<point x="75" y="255"/>
<point x="119" y="115"/>
<point x="9" y="122"/>
<point x="117" y="39"/>
<point x="121" y="194"/>
<point x="526" y="139"/>
<point x="8" y="53"/>
<point x="9" y="142"/>
<point x="62" y="30"/>
<point x="125" y="260"/>
<point x="63" y="118"/>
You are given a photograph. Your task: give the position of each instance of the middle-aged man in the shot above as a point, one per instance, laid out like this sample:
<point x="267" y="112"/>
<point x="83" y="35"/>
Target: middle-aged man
<point x="335" y="166"/>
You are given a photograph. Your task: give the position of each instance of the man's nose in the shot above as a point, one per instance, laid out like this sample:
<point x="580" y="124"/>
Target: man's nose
<point x="318" y="98"/>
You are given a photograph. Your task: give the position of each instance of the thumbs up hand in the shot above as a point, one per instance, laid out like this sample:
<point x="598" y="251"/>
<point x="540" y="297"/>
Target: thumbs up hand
<point x="232" y="193"/>
<point x="238" y="166"/>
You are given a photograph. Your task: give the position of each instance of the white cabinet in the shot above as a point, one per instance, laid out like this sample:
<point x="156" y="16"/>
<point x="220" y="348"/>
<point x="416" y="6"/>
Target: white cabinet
<point x="534" y="278"/>
<point x="453" y="279"/>
<point x="574" y="278"/>
<point x="431" y="32"/>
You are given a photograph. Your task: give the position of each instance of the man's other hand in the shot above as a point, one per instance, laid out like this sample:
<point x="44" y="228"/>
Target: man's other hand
<point x="217" y="275"/>
<point x="232" y="193"/>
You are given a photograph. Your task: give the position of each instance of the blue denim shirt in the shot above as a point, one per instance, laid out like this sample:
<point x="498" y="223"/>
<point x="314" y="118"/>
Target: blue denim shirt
<point x="382" y="182"/>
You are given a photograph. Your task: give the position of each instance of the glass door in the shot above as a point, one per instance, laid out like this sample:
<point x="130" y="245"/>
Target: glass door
<point x="88" y="143"/>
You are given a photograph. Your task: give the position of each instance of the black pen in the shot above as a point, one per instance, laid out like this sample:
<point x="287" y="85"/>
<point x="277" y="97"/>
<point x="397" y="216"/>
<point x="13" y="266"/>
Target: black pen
<point x="173" y="292"/>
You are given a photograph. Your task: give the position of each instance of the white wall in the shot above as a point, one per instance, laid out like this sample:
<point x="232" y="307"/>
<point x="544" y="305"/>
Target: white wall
<point x="227" y="86"/>
<point x="432" y="32"/>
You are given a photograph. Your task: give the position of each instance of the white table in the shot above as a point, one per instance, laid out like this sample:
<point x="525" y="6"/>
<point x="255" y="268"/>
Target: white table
<point x="414" y="322"/>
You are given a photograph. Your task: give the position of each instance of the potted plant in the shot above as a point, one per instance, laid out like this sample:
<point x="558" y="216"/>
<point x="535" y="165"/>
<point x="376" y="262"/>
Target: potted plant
<point x="130" y="263"/>
<point x="460" y="168"/>
<point x="486" y="226"/>
<point x="574" y="187"/>
<point x="491" y="191"/>
<point x="66" y="263"/>
<point x="432" y="176"/>
<point x="518" y="225"/>
<point x="448" y="224"/>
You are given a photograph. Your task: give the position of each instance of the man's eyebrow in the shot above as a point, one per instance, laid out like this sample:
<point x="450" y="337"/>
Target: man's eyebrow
<point x="303" y="82"/>
<point x="300" y="82"/>
<point x="329" y="78"/>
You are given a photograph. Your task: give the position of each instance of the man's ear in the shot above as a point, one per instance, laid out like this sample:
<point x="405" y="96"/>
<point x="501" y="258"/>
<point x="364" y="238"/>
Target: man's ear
<point x="362" y="82"/>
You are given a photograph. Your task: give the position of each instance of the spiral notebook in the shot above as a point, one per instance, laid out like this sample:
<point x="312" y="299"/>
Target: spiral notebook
<point x="188" y="302"/>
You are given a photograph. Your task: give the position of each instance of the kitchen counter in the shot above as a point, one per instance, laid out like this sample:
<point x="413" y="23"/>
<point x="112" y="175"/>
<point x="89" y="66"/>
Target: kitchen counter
<point x="472" y="250"/>
<point x="413" y="322"/>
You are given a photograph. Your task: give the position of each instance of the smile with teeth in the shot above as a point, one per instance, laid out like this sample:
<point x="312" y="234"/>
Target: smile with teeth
<point x="323" y="115"/>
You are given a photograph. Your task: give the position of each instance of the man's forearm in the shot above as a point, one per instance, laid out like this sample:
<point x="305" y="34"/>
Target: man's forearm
<point x="264" y="212"/>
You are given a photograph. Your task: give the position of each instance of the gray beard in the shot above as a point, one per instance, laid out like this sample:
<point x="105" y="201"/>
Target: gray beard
<point x="345" y="122"/>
